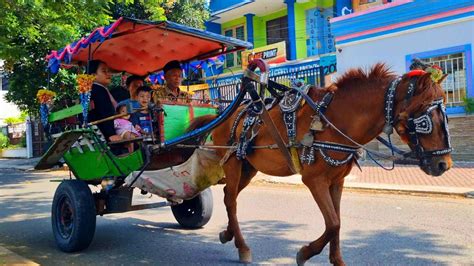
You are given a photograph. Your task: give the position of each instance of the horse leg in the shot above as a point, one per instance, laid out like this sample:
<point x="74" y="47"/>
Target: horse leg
<point x="246" y="175"/>
<point x="231" y="190"/>
<point x="248" y="172"/>
<point x="322" y="196"/>
<point x="335" y="256"/>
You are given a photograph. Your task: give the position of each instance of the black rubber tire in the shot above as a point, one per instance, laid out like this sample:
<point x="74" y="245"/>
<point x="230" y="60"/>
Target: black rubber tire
<point x="196" y="212"/>
<point x="73" y="216"/>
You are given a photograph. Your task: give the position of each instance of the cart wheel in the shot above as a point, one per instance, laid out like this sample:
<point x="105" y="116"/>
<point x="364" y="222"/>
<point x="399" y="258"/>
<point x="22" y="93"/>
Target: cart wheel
<point x="73" y="216"/>
<point x="196" y="212"/>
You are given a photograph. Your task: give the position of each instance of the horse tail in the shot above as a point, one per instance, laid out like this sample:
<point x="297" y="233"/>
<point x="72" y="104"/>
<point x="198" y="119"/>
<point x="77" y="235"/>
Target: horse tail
<point x="200" y="122"/>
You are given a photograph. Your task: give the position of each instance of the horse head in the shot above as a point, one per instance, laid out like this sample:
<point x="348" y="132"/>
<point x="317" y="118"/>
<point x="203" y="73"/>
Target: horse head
<point x="422" y="122"/>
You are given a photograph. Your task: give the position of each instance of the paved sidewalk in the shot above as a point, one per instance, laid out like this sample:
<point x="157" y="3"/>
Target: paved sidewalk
<point x="459" y="180"/>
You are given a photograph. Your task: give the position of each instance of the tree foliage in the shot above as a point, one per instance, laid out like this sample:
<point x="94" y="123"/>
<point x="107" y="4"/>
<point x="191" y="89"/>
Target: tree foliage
<point x="31" y="29"/>
<point x="192" y="13"/>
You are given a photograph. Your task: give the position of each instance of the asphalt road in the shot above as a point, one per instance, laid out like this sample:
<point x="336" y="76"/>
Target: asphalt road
<point x="381" y="229"/>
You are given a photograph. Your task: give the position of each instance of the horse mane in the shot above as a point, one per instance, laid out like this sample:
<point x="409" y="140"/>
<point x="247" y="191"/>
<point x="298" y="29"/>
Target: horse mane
<point x="378" y="73"/>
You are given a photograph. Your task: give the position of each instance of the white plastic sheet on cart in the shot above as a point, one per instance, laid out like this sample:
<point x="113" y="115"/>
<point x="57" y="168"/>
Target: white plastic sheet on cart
<point x="183" y="181"/>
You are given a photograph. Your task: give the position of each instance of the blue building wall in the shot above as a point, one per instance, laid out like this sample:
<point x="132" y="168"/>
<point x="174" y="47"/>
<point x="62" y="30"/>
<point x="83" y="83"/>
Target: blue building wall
<point x="213" y="27"/>
<point x="395" y="15"/>
<point x="216" y="6"/>
<point x="397" y="32"/>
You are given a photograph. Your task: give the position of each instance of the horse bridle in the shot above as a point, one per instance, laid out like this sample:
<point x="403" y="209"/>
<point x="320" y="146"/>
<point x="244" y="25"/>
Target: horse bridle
<point x="417" y="125"/>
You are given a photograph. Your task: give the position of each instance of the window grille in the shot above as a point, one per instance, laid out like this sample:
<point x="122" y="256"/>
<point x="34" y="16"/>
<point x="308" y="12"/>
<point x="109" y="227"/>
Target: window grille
<point x="455" y="83"/>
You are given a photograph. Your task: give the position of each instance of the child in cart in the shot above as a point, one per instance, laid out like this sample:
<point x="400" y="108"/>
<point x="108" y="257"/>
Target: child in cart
<point x="142" y="119"/>
<point x="124" y="128"/>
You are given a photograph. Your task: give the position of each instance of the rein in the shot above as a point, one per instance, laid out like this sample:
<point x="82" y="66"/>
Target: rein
<point x="315" y="107"/>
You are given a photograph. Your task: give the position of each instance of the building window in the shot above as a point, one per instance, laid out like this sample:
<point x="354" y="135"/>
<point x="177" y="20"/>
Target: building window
<point x="234" y="59"/>
<point x="277" y="31"/>
<point x="455" y="83"/>
<point x="457" y="63"/>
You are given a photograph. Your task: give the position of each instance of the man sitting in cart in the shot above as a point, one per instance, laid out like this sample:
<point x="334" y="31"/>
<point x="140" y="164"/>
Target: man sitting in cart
<point x="171" y="92"/>
<point x="102" y="102"/>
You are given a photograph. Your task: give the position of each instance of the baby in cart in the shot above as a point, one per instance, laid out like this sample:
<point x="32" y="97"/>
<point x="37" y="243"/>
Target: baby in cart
<point x="123" y="127"/>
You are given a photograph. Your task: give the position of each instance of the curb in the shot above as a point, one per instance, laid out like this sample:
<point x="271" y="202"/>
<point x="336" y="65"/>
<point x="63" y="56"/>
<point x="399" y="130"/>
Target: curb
<point x="8" y="257"/>
<point x="376" y="187"/>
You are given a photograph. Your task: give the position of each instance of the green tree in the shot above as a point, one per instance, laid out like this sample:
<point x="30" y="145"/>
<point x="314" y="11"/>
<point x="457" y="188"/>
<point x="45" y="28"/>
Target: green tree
<point x="138" y="9"/>
<point x="188" y="12"/>
<point x="31" y="29"/>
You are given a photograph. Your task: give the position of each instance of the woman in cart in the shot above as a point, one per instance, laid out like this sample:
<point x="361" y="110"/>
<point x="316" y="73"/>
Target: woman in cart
<point x="102" y="102"/>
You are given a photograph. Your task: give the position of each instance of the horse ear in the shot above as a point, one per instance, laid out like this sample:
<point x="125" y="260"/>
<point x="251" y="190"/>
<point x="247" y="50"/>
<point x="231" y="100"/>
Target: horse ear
<point x="442" y="78"/>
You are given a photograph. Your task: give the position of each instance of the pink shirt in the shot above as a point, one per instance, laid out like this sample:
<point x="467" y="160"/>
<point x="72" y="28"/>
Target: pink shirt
<point x="122" y="125"/>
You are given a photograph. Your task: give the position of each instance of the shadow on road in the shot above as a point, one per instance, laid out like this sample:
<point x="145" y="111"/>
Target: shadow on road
<point x="400" y="244"/>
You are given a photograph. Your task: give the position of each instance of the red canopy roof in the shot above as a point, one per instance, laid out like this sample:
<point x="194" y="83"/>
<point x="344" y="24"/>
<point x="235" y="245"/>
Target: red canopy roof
<point x="142" y="47"/>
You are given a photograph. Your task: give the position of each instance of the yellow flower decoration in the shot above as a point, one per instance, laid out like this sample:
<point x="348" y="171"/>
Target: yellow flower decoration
<point x="84" y="82"/>
<point x="436" y="72"/>
<point x="45" y="96"/>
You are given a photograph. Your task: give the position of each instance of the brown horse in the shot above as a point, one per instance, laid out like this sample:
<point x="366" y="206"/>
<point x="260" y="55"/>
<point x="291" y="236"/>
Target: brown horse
<point x="357" y="109"/>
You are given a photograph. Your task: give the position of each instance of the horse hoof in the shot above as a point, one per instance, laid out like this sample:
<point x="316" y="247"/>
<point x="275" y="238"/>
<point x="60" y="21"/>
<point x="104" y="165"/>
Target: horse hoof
<point x="223" y="238"/>
<point x="245" y="256"/>
<point x="300" y="261"/>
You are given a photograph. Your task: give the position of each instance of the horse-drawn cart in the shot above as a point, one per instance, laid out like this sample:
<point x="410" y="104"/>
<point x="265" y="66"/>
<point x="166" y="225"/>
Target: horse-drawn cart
<point x="158" y="165"/>
<point x="307" y="135"/>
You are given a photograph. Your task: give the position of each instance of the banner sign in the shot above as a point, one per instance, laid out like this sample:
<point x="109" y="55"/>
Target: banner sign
<point x="328" y="64"/>
<point x="272" y="54"/>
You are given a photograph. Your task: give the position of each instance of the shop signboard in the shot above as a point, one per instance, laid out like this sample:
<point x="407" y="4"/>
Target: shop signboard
<point x="273" y="54"/>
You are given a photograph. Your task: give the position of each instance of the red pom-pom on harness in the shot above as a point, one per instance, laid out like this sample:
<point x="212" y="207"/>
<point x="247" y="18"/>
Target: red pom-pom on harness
<point x="416" y="72"/>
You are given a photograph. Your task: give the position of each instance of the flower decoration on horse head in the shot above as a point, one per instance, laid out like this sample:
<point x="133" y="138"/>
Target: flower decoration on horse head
<point x="418" y="68"/>
<point x="436" y="73"/>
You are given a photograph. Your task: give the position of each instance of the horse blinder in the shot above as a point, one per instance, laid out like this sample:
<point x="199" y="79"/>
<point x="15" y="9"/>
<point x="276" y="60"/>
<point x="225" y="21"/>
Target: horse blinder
<point x="423" y="125"/>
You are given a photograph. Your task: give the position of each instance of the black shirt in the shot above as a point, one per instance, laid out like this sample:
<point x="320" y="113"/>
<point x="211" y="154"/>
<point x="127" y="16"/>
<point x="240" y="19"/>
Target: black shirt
<point x="103" y="108"/>
<point x="120" y="94"/>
